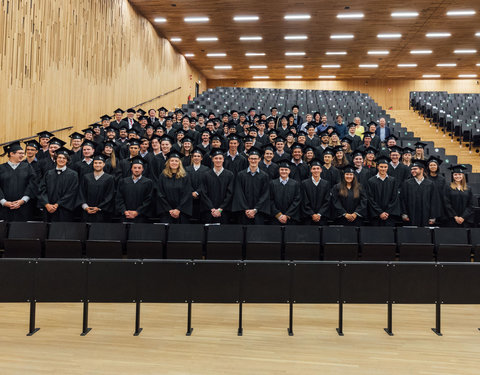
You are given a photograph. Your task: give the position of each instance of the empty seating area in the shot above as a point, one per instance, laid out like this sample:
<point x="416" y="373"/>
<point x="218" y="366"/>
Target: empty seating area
<point x="237" y="242"/>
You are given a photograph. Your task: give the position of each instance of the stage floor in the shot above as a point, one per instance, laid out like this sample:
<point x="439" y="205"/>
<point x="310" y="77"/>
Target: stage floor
<point x="215" y="348"/>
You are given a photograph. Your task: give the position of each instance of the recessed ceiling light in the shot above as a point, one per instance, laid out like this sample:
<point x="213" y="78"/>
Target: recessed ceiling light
<point x="258" y="67"/>
<point x="368" y="66"/>
<point x="477" y="34"/>
<point x="341" y="36"/>
<point x="207" y="39"/>
<point x="445" y="65"/>
<point x="389" y="36"/>
<point x="336" y="53"/>
<point x="378" y="52"/>
<point x="431" y="76"/>
<point x="461" y="13"/>
<point x="404" y="14"/>
<point x="465" y="51"/>
<point x="325" y="77"/>
<point x="467" y="76"/>
<point x="220" y="54"/>
<point x="222" y="67"/>
<point x="407" y="65"/>
<point x="331" y="66"/>
<point x="251" y="38"/>
<point x="261" y="77"/>
<point x="478" y="64"/>
<point x="438" y="35"/>
<point x="175" y="39"/>
<point x="294" y="53"/>
<point x="196" y="19"/>
<point x="297" y="17"/>
<point x="160" y="20"/>
<point x="293" y="66"/>
<point x="296" y="37"/>
<point x="293" y="77"/>
<point x="245" y="18"/>
<point x="420" y="51"/>
<point x="189" y="55"/>
<point x="350" y="15"/>
<point x="255" y="54"/>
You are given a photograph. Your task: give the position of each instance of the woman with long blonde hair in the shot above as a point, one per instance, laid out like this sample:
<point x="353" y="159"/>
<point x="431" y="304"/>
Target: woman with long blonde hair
<point x="459" y="199"/>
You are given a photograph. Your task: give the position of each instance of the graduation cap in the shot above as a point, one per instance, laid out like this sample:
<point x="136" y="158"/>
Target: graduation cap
<point x="357" y="153"/>
<point x="434" y="159"/>
<point x="348" y="169"/>
<point x="308" y="148"/>
<point x="198" y="150"/>
<point x="329" y="151"/>
<point x="284" y="163"/>
<point x="391" y="136"/>
<point x="419" y="163"/>
<point x="262" y="122"/>
<point x="371" y="150"/>
<point x="216" y="137"/>
<point x="331" y="128"/>
<point x="408" y="150"/>
<point x="138" y="160"/>
<point x="99" y="157"/>
<point x="247" y="139"/>
<point x="133" y="142"/>
<point x="458" y="168"/>
<point x="273" y="131"/>
<point x="206" y="131"/>
<point x="95" y="125"/>
<point x="346" y="140"/>
<point x="105" y="117"/>
<point x="295" y="106"/>
<point x="310" y="126"/>
<point x="168" y="138"/>
<point x="87" y="142"/>
<point x="215" y="152"/>
<point x="315" y="163"/>
<point x="279" y="139"/>
<point x="132" y="131"/>
<point x="123" y="127"/>
<point x="141" y="111"/>
<point x="225" y="114"/>
<point x="367" y="134"/>
<point x="383" y="160"/>
<point x="420" y="145"/>
<point x="45" y="134"/>
<point x="252" y="109"/>
<point x="109" y="144"/>
<point x="12" y="147"/>
<point x="211" y="114"/>
<point x="142" y="117"/>
<point x="186" y="139"/>
<point x="175" y="154"/>
<point x="351" y="125"/>
<point x="338" y="149"/>
<point x="296" y="145"/>
<point x="269" y="119"/>
<point x="32" y="143"/>
<point x="268" y="146"/>
<point x="271" y="109"/>
<point x="168" y="118"/>
<point x="110" y="129"/>
<point x="178" y="110"/>
<point x="334" y="132"/>
<point x="76" y="135"/>
<point x="301" y="133"/>
<point x="166" y="110"/>
<point x="396" y="149"/>
<point x="64" y="151"/>
<point x="253" y="128"/>
<point x="56" y="141"/>
<point x="289" y="116"/>
<point x="255" y="151"/>
<point x="233" y="137"/>
<point x="131" y="110"/>
<point x="372" y="123"/>
<point x="242" y="114"/>
<point x="231" y="125"/>
<point x="149" y="126"/>
<point x="119" y="110"/>
<point x="87" y="130"/>
<point x="323" y="134"/>
<point x="233" y="111"/>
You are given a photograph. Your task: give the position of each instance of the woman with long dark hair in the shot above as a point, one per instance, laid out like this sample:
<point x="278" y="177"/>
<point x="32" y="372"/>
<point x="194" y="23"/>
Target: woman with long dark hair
<point x="196" y="171"/>
<point x="459" y="199"/>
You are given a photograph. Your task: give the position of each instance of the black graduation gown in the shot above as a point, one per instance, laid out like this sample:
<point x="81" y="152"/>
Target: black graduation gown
<point x="316" y="199"/>
<point x="124" y="169"/>
<point x="174" y="193"/>
<point x="217" y="193"/>
<point x="383" y="197"/>
<point x="46" y="164"/>
<point x="59" y="189"/>
<point x="15" y="184"/>
<point x="41" y="154"/>
<point x="97" y="193"/>
<point x="400" y="173"/>
<point x="277" y="157"/>
<point x="252" y="192"/>
<point x="332" y="175"/>
<point x="459" y="203"/>
<point x="299" y="171"/>
<point x="235" y="165"/>
<point x="418" y="202"/>
<point x="196" y="179"/>
<point x="440" y="184"/>
<point x="134" y="197"/>
<point x="35" y="164"/>
<point x="285" y="199"/>
<point x="356" y="141"/>
<point x="363" y="176"/>
<point x="348" y="205"/>
<point x="82" y="168"/>
<point x="271" y="170"/>
<point x="313" y="142"/>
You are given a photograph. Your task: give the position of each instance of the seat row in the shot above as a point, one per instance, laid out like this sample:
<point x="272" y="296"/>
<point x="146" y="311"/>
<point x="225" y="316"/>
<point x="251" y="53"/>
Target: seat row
<point x="235" y="242"/>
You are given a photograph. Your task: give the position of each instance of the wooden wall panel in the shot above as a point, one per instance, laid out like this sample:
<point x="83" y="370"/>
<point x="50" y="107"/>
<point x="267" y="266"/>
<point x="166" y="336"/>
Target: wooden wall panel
<point x="66" y="63"/>
<point x="388" y="93"/>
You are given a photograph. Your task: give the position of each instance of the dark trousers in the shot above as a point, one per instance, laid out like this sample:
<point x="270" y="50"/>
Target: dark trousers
<point x="259" y="219"/>
<point x="209" y="219"/>
<point x="182" y="219"/>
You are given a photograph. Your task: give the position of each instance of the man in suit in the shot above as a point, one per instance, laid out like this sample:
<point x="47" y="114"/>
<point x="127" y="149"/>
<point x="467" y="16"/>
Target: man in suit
<point x="152" y="118"/>
<point x="130" y="121"/>
<point x="383" y="131"/>
<point x="297" y="119"/>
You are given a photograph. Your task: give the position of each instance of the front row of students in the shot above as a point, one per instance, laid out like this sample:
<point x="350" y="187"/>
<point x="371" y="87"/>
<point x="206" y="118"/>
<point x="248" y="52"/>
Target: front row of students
<point x="215" y="195"/>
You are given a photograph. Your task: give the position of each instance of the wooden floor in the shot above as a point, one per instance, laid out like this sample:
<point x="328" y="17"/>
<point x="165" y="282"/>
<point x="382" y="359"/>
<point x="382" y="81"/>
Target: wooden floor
<point x="214" y="347"/>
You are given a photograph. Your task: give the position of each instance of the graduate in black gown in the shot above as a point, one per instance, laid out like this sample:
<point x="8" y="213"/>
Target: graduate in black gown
<point x="266" y="164"/>
<point x="316" y="196"/>
<point x="251" y="199"/>
<point x="58" y="189"/>
<point x="329" y="172"/>
<point x="43" y="140"/>
<point x="440" y="183"/>
<point x="417" y="198"/>
<point x="85" y="164"/>
<point x="396" y="168"/>
<point x="134" y="194"/>
<point x="195" y="171"/>
<point x="383" y="196"/>
<point x="299" y="170"/>
<point x="285" y="196"/>
<point x="459" y="199"/>
<point x="174" y="191"/>
<point x="31" y="152"/>
<point x="18" y="185"/>
<point x="48" y="162"/>
<point x="349" y="201"/>
<point x="217" y="191"/>
<point x="96" y="194"/>
<point x="234" y="161"/>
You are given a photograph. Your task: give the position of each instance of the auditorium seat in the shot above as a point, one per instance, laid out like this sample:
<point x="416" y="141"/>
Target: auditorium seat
<point x="302" y="242"/>
<point x="452" y="244"/>
<point x="106" y="240"/>
<point x="3" y="233"/>
<point x="65" y="240"/>
<point x="185" y="241"/>
<point x="475" y="241"/>
<point x="25" y="240"/>
<point x="263" y="242"/>
<point x="415" y="244"/>
<point x="146" y="241"/>
<point x="225" y="242"/>
<point x="378" y="243"/>
<point x="340" y="243"/>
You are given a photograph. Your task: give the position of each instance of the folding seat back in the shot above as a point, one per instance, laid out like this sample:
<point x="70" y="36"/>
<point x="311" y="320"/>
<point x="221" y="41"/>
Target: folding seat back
<point x="65" y="240"/>
<point x="225" y="242"/>
<point x="146" y="241"/>
<point x="3" y="233"/>
<point x="452" y="244"/>
<point x="302" y="242"/>
<point x="263" y="242"/>
<point x="415" y="244"/>
<point x="340" y="243"/>
<point x="185" y="241"/>
<point x="106" y="240"/>
<point x="475" y="241"/>
<point x="25" y="240"/>
<point x="378" y="243"/>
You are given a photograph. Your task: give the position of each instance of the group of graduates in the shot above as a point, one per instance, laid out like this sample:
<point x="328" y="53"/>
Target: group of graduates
<point x="240" y="168"/>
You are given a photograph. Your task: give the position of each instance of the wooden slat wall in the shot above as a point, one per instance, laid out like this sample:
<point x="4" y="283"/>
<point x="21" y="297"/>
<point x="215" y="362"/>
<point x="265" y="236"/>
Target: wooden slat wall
<point x="68" y="62"/>
<point x="386" y="92"/>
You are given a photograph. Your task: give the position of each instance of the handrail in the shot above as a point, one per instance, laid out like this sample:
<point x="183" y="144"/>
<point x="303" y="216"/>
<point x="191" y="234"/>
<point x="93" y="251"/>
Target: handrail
<point x="159" y="96"/>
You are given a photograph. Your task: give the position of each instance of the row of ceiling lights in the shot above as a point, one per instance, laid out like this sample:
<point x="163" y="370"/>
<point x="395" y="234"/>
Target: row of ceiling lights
<point x="337" y="53"/>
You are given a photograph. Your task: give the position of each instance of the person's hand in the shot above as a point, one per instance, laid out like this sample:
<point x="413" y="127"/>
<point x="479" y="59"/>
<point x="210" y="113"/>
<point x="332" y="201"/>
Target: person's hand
<point x="431" y="221"/>
<point x="316" y="217"/>
<point x="8" y="204"/>
<point x="174" y="213"/>
<point x="195" y="195"/>
<point x="459" y="220"/>
<point x="405" y="218"/>
<point x="133" y="214"/>
<point x="384" y="216"/>
<point x="283" y="219"/>
<point x="250" y="213"/>
<point x="50" y="208"/>
<point x="127" y="214"/>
